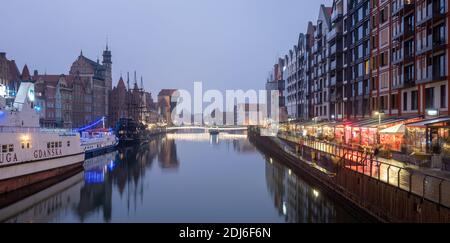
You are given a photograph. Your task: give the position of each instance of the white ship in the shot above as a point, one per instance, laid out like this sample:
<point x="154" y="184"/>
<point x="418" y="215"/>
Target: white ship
<point x="98" y="142"/>
<point x="29" y="154"/>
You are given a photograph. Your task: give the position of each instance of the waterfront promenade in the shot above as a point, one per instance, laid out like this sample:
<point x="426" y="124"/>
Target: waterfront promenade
<point x="431" y="185"/>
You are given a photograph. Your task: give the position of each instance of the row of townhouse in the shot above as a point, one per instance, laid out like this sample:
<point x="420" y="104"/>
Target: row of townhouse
<point x="362" y="57"/>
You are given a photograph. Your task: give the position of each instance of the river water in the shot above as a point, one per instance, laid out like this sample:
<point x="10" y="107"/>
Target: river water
<point x="183" y="178"/>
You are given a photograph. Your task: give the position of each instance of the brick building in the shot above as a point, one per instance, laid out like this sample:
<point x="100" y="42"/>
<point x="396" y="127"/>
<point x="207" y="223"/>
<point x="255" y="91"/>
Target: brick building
<point x="9" y="73"/>
<point x="135" y="103"/>
<point x="371" y="56"/>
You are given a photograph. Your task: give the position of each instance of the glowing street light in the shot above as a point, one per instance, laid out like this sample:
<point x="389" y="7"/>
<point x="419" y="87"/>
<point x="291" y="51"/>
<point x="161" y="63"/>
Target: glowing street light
<point x="379" y="114"/>
<point x="432" y="112"/>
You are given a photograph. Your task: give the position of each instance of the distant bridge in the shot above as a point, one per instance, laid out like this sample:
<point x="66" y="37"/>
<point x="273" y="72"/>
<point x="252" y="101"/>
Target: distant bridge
<point x="208" y="129"/>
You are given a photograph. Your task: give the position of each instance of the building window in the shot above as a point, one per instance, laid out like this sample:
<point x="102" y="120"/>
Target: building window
<point x="443" y="96"/>
<point x="414" y="100"/>
<point x="429" y="98"/>
<point x="405" y="101"/>
<point x="394" y="101"/>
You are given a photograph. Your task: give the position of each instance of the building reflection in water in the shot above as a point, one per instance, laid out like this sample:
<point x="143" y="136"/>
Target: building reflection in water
<point x="126" y="171"/>
<point x="167" y="156"/>
<point x="115" y="183"/>
<point x="297" y="201"/>
<point x="46" y="205"/>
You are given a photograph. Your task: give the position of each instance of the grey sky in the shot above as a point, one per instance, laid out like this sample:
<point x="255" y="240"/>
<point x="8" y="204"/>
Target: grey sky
<point x="227" y="44"/>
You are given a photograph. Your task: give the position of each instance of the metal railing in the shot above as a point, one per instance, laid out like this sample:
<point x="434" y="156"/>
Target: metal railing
<point x="432" y="188"/>
<point x="6" y="129"/>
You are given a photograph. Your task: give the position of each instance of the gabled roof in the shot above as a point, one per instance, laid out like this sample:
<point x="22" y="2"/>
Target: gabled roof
<point x="167" y="92"/>
<point x="25" y="73"/>
<point x="52" y="80"/>
<point x="121" y="84"/>
<point x="14" y="73"/>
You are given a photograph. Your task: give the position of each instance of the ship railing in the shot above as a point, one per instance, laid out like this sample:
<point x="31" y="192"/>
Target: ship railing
<point x="6" y="129"/>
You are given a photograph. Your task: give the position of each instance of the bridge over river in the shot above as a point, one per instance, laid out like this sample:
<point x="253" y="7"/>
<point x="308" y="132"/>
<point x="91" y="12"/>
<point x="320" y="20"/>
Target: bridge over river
<point x="208" y="128"/>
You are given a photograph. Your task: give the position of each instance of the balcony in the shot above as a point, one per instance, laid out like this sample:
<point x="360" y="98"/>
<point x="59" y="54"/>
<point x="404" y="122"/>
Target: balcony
<point x="402" y="82"/>
<point x="333" y="34"/>
<point x="398" y="32"/>
<point x="397" y="7"/>
<point x="333" y="81"/>
<point x="424" y="45"/>
<point x="333" y="65"/>
<point x="332" y="50"/>
<point x="439" y="42"/>
<point x="408" y="31"/>
<point x="397" y="57"/>
<point x="424" y="15"/>
<point x="432" y="75"/>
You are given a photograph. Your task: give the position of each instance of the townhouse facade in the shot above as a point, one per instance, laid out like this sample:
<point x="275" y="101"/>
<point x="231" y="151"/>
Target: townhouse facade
<point x="366" y="57"/>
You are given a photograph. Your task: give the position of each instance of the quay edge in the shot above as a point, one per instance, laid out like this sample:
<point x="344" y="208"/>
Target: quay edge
<point x="383" y="202"/>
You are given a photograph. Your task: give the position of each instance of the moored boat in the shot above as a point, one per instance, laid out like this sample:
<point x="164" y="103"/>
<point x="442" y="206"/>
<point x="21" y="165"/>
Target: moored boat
<point x="130" y="132"/>
<point x="29" y="154"/>
<point x="98" y="141"/>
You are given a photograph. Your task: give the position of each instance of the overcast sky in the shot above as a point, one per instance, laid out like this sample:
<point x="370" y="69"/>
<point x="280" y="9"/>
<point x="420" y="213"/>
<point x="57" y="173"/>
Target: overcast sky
<point x="227" y="44"/>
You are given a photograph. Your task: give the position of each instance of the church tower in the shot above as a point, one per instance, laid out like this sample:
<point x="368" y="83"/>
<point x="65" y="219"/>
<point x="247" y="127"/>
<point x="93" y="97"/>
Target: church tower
<point x="107" y="64"/>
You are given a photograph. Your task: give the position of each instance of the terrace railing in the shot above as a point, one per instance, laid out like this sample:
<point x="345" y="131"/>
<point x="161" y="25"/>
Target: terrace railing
<point x="430" y="187"/>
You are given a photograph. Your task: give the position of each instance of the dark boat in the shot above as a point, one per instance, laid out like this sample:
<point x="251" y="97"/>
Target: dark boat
<point x="214" y="131"/>
<point x="130" y="133"/>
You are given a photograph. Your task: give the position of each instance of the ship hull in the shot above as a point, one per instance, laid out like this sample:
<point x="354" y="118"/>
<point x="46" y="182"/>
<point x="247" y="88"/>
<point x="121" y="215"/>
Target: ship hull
<point x="21" y="175"/>
<point x="100" y="151"/>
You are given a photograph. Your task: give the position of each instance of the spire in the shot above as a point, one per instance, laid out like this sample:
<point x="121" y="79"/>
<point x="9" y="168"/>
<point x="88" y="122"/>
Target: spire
<point x="142" y="83"/>
<point x="107" y="40"/>
<point x="135" y="82"/>
<point x="121" y="83"/>
<point x="81" y="53"/>
<point x="25" y="73"/>
<point x="107" y="57"/>
<point x="128" y="80"/>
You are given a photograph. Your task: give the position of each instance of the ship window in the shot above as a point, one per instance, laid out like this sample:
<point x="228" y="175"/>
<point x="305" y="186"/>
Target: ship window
<point x="28" y="145"/>
<point x="4" y="148"/>
<point x="60" y="144"/>
<point x="23" y="145"/>
<point x="68" y="143"/>
<point x="11" y="148"/>
<point x="52" y="144"/>
<point x="48" y="145"/>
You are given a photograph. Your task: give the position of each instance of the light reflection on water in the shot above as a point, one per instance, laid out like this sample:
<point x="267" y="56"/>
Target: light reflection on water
<point x="181" y="178"/>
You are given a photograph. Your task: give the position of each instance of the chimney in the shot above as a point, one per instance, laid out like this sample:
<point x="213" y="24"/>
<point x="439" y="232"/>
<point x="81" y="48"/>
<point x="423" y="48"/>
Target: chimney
<point x="2" y="54"/>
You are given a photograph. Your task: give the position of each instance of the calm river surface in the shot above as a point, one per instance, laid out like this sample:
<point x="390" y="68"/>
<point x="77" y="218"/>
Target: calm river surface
<point x="182" y="178"/>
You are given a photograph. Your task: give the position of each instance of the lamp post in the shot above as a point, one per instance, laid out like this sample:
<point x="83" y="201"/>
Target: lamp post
<point x="379" y="114"/>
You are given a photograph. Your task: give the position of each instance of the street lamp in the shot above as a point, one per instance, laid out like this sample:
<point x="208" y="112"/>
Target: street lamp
<point x="378" y="114"/>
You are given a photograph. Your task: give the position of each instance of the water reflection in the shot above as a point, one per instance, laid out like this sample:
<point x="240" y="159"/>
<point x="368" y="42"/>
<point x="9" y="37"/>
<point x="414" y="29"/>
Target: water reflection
<point x="131" y="185"/>
<point x="299" y="202"/>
